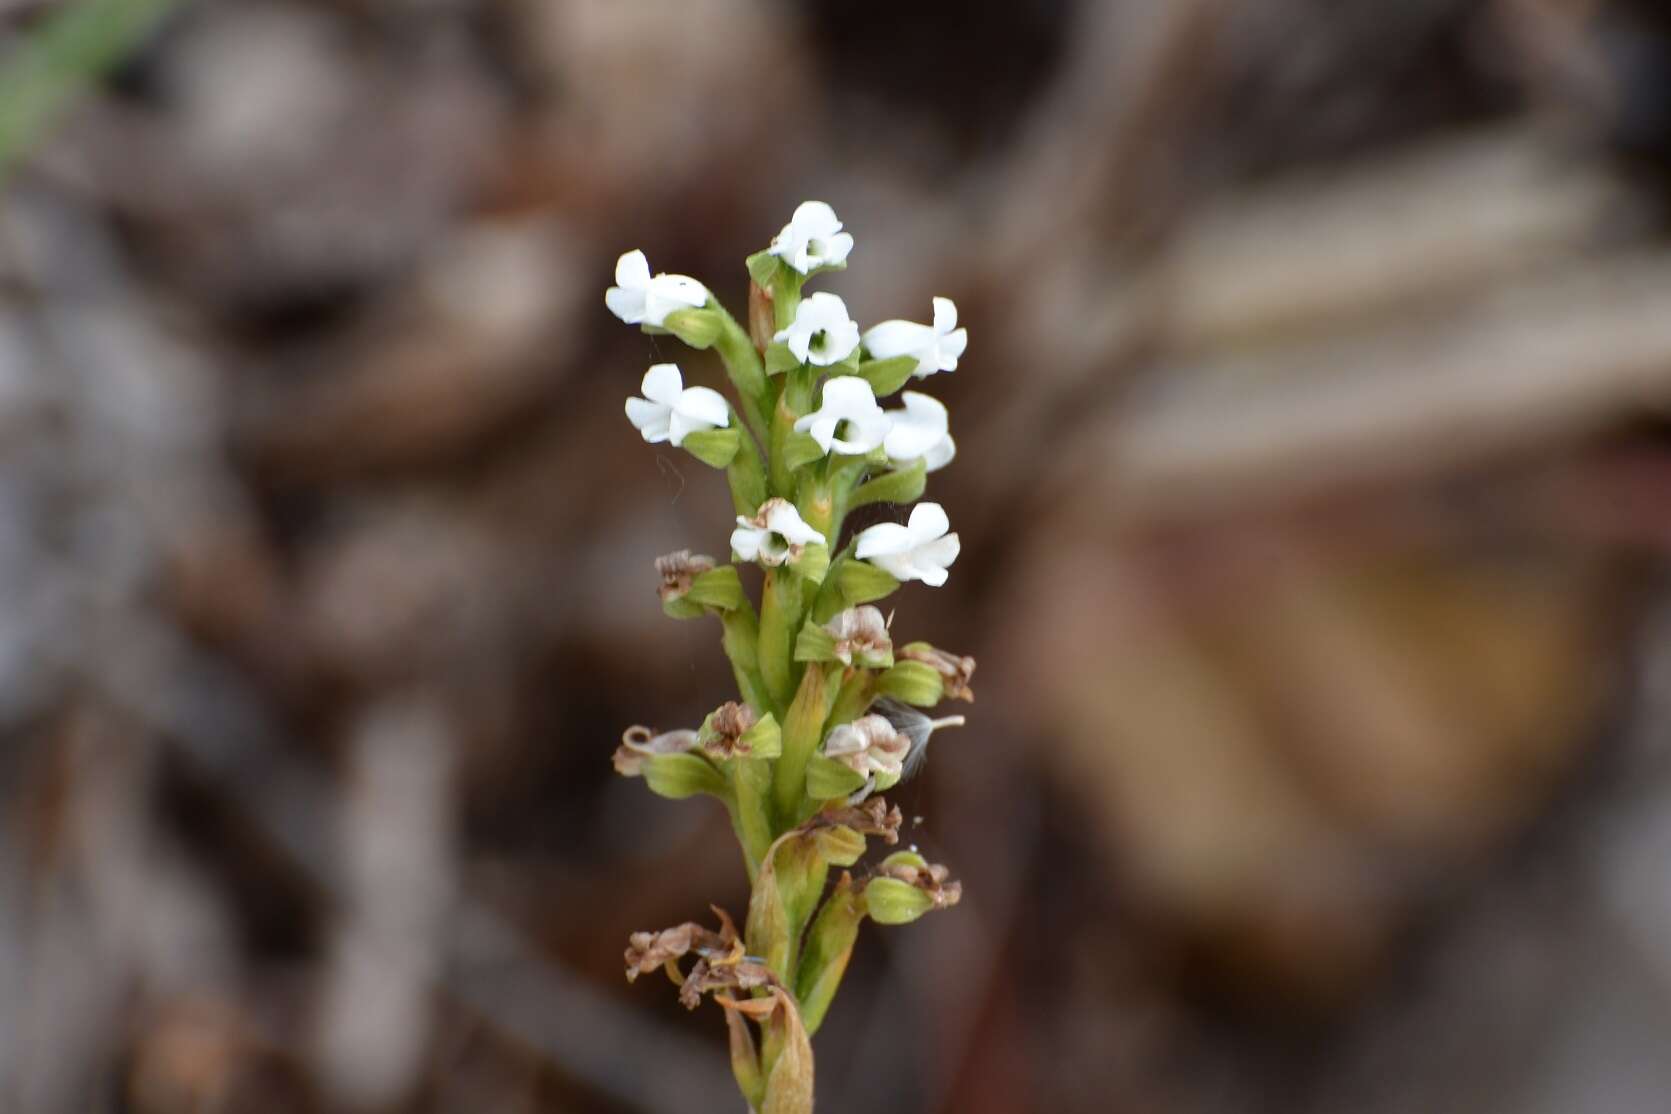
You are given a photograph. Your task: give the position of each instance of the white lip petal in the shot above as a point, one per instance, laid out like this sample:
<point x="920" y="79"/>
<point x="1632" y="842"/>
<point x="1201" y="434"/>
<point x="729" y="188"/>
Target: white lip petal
<point x="882" y="540"/>
<point x="941" y="454"/>
<point x="705" y="405"/>
<point x="945" y="315"/>
<point x="632" y="270"/>
<point x="651" y="418"/>
<point x="663" y="383"/>
<point x="928" y="521"/>
<point x="626" y="304"/>
<point x="897" y="338"/>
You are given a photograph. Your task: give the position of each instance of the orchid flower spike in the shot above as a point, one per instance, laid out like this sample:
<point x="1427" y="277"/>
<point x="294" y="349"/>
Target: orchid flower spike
<point x="812" y="239"/>
<point x="638" y="299"/>
<point x="849" y="421"/>
<point x="775" y="535"/>
<point x="936" y="347"/>
<point x="822" y="332"/>
<point x="920" y="550"/>
<point x="669" y="410"/>
<point x="919" y="432"/>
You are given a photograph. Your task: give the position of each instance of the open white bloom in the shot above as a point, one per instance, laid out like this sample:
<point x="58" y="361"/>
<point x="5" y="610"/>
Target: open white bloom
<point x="638" y="299"/>
<point x="774" y="535"/>
<point x="821" y="333"/>
<point x="812" y="239"/>
<point x="919" y="432"/>
<point x="669" y="410"/>
<point x="920" y="550"/>
<point x="936" y="347"/>
<point x="849" y="421"/>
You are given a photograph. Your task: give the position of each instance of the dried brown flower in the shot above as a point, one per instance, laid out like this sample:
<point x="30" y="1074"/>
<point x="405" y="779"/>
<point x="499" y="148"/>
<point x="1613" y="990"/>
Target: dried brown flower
<point x="647" y="951"/>
<point x="955" y="671"/>
<point x="725" y="729"/>
<point x="678" y="569"/>
<point x="930" y="879"/>
<point x="860" y="632"/>
<point x="639" y="742"/>
<point x="873" y="817"/>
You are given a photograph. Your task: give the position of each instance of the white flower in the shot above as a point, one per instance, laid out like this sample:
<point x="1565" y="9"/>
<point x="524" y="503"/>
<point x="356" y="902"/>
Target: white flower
<point x="849" y="421"/>
<point x="669" y="410"/>
<point x="774" y="535"/>
<point x="868" y="745"/>
<point x="920" y="550"/>
<point x="919" y="432"/>
<point x="812" y="239"/>
<point x="821" y="333"/>
<point x="639" y="299"/>
<point x="935" y="346"/>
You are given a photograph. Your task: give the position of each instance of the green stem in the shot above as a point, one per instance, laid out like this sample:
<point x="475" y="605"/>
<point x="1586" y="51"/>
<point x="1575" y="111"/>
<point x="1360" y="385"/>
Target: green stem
<point x="829" y="945"/>
<point x="740" y="640"/>
<point x="742" y="364"/>
<point x="751" y="781"/>
<point x="780" y="620"/>
<point x="803" y="730"/>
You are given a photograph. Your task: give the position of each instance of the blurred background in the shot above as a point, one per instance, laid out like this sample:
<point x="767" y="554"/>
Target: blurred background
<point x="1314" y="488"/>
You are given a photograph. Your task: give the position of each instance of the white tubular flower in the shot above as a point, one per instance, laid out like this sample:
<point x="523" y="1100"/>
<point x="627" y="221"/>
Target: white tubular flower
<point x="669" y="410"/>
<point x="812" y="239"/>
<point x="936" y="347"/>
<point x="775" y="535"/>
<point x="919" y="432"/>
<point x="822" y="333"/>
<point x="920" y="550"/>
<point x="868" y="745"/>
<point x="849" y="421"/>
<point x="638" y="299"/>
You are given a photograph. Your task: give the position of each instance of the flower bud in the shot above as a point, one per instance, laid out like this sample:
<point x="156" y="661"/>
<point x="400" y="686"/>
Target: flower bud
<point x="912" y="682"/>
<point x="698" y="328"/>
<point x="714" y="447"/>
<point x="955" y="671"/>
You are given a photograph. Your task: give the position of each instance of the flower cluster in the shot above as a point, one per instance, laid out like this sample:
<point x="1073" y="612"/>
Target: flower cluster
<point x="827" y="716"/>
